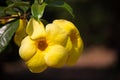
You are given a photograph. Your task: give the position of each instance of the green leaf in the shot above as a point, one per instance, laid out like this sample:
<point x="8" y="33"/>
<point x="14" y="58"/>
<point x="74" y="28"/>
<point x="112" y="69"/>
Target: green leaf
<point x="10" y="11"/>
<point x="23" y="5"/>
<point x="37" y="10"/>
<point x="6" y="33"/>
<point x="2" y="11"/>
<point x="61" y="4"/>
<point x="24" y="8"/>
<point x="8" y="2"/>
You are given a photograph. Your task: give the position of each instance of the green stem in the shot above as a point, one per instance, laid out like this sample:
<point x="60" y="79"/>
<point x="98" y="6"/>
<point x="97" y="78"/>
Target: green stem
<point x="41" y="1"/>
<point x="36" y="1"/>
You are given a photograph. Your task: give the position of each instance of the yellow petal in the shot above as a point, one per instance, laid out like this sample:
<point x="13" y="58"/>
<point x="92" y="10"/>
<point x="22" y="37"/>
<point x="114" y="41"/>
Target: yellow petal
<point x="27" y="49"/>
<point x="73" y="52"/>
<point x="35" y="29"/>
<point x="56" y="56"/>
<point x="20" y="33"/>
<point x="56" y="35"/>
<point x="37" y="63"/>
<point x="70" y="28"/>
<point x="67" y="25"/>
<point x="74" y="56"/>
<point x="69" y="45"/>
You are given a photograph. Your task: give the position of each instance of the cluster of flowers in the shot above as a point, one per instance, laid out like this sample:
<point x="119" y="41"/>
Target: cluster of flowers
<point x="54" y="45"/>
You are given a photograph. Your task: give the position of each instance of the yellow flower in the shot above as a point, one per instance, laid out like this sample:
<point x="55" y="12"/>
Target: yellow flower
<point x="55" y="45"/>
<point x="75" y="44"/>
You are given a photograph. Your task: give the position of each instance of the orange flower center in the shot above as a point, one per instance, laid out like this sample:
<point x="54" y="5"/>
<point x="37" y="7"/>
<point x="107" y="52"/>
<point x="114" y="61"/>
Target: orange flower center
<point x="42" y="44"/>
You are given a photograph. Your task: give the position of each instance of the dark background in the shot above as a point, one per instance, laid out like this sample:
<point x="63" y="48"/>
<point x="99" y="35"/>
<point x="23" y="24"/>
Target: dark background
<point x="99" y="24"/>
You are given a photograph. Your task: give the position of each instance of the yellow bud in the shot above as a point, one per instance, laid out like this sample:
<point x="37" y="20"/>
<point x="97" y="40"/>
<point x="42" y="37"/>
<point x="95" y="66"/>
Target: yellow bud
<point x="21" y="32"/>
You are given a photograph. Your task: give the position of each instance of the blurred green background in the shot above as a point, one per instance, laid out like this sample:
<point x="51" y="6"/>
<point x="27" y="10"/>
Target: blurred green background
<point x="99" y="24"/>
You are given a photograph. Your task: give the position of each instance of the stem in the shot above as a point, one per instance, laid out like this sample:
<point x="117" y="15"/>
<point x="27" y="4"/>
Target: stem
<point x="40" y="1"/>
<point x="36" y="1"/>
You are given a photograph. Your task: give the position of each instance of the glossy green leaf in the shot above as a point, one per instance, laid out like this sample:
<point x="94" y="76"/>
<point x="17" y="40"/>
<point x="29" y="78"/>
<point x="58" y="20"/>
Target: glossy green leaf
<point x="61" y="4"/>
<point x="6" y="33"/>
<point x="37" y="10"/>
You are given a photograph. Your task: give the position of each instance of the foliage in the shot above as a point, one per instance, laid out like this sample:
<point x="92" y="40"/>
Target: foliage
<point x="6" y="33"/>
<point x="19" y="9"/>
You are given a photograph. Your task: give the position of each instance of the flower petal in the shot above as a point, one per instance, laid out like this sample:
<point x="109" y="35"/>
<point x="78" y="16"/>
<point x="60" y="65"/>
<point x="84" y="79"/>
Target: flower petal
<point x="74" y="56"/>
<point x="69" y="45"/>
<point x="35" y="29"/>
<point x="20" y="33"/>
<point x="70" y="28"/>
<point x="73" y="52"/>
<point x="67" y="25"/>
<point x="37" y="63"/>
<point x="56" y="35"/>
<point x="56" y="56"/>
<point x="27" y="49"/>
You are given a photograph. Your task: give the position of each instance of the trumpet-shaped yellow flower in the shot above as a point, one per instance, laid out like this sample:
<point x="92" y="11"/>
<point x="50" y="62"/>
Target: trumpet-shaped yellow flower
<point x="74" y="43"/>
<point x="55" y="45"/>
